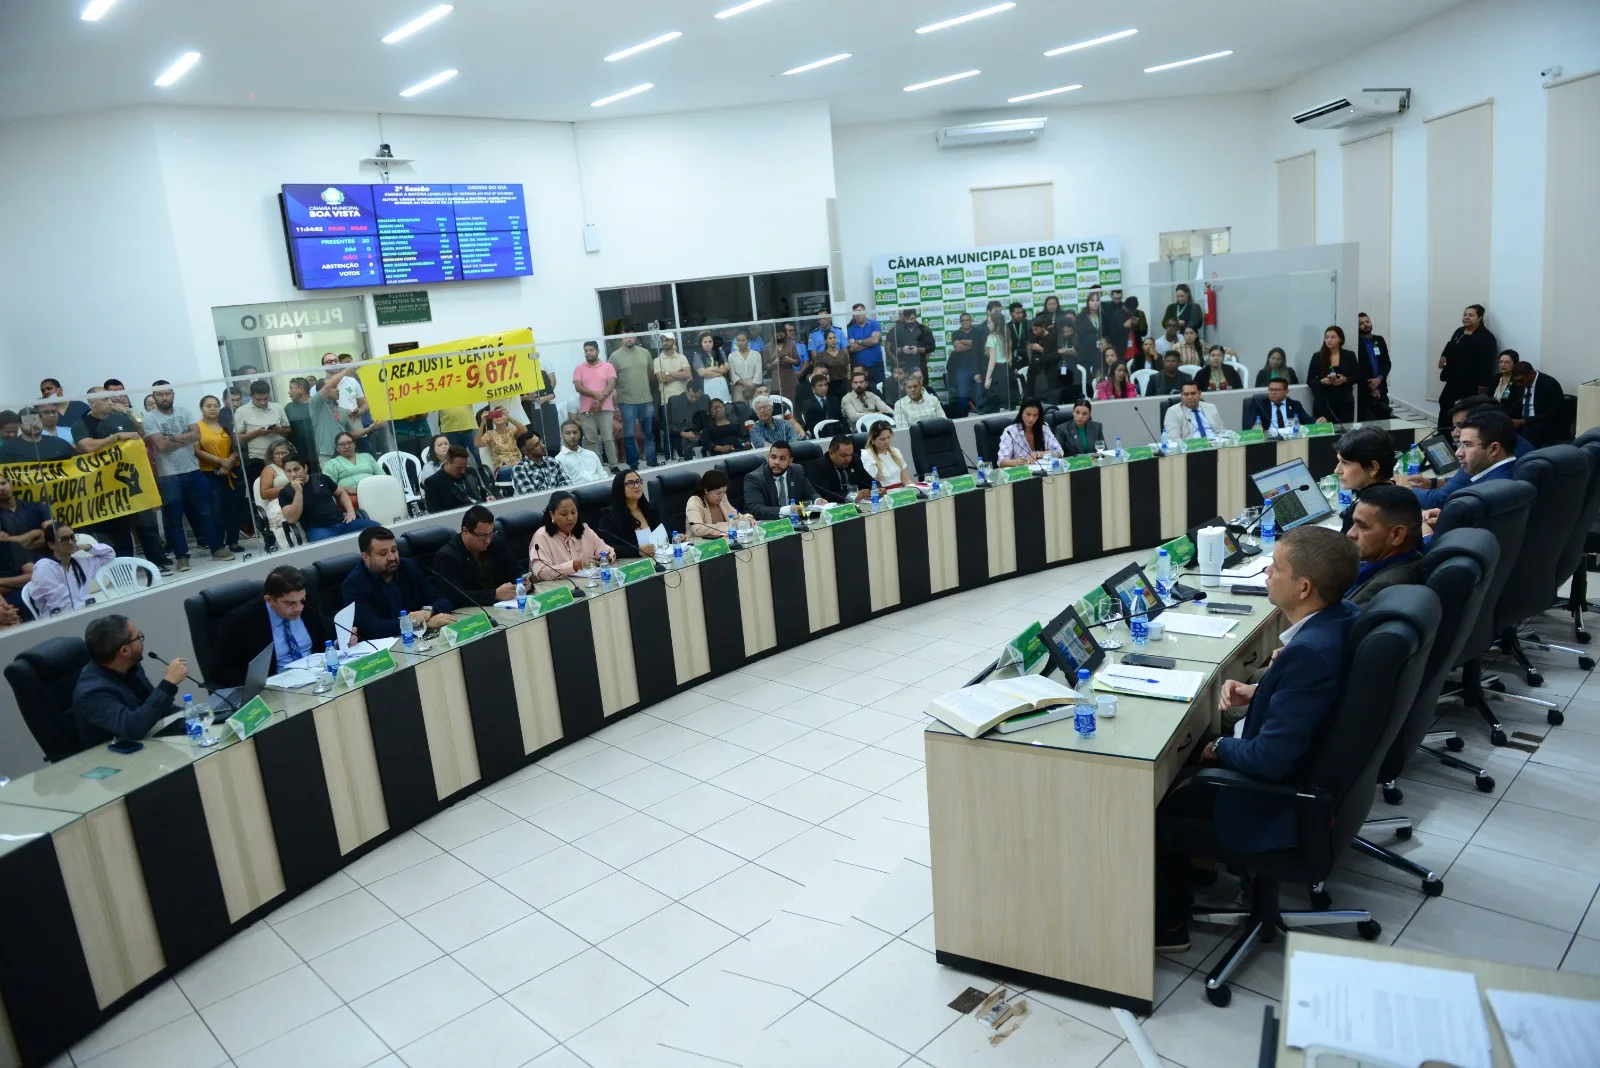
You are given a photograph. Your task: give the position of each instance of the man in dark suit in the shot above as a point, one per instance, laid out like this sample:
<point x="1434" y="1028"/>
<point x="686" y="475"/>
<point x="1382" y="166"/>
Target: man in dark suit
<point x="1288" y="710"/>
<point x="279" y="619"/>
<point x="1486" y="447"/>
<point x="455" y="485"/>
<point x="113" y="698"/>
<point x="475" y="564"/>
<point x="838" y="476"/>
<point x="1386" y="525"/>
<point x="1276" y="410"/>
<point x="768" y="490"/>
<point x="1184" y="310"/>
<point x="818" y="404"/>
<point x="1373" y="352"/>
<point x="1536" y="406"/>
<point x="386" y="587"/>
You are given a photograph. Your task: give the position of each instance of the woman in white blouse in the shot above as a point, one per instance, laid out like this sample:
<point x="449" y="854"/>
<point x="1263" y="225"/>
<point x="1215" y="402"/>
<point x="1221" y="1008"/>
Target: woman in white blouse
<point x="62" y="582"/>
<point x="744" y="370"/>
<point x="882" y="461"/>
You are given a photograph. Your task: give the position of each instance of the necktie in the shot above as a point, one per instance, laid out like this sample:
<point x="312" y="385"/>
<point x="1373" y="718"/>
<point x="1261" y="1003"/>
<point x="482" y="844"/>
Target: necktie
<point x="1199" y="423"/>
<point x="1527" y="402"/>
<point x="288" y="640"/>
<point x="1278" y="409"/>
<point x="783" y="489"/>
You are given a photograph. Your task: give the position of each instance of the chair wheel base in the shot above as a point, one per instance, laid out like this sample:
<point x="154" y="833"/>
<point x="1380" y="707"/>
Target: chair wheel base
<point x="1485" y="783"/>
<point x="1555" y="717"/>
<point x="1393" y="795"/>
<point x="1535" y="679"/>
<point x="1455" y="744"/>
<point x="1586" y="663"/>
<point x="1369" y="930"/>
<point x="1497" y="686"/>
<point x="1321" y="900"/>
<point x="1430" y="888"/>
<point x="1582" y="636"/>
<point x="1402" y="833"/>
<point x="1497" y="737"/>
<point x="1220" y="996"/>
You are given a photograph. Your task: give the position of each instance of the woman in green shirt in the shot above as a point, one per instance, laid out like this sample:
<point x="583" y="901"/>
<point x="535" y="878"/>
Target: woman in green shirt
<point x="348" y="467"/>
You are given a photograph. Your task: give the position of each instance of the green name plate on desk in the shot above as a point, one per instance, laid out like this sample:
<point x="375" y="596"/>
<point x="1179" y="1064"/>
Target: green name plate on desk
<point x="776" y="528"/>
<point x="708" y="550"/>
<point x="1252" y="437"/>
<point x="902" y="496"/>
<point x="1142" y="452"/>
<point x="250" y="718"/>
<point x="549" y="600"/>
<point x="1095" y="606"/>
<point x="840" y="512"/>
<point x="1318" y="430"/>
<point x="961" y="484"/>
<point x="1025" y="650"/>
<point x="464" y="630"/>
<point x="364" y="670"/>
<point x="634" y="570"/>
<point x="1198" y="445"/>
<point x="1015" y="474"/>
<point x="1079" y="463"/>
<point x="1180" y="551"/>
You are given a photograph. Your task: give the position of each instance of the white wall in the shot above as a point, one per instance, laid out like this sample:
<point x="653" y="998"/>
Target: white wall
<point x="1489" y="48"/>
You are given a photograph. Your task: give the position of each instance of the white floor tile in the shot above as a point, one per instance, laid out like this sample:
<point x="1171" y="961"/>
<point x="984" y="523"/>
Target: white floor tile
<point x="804" y="856"/>
<point x="765" y="733"/>
<point x="1590" y="928"/>
<point x="402" y="851"/>
<point x="1583" y="956"/>
<point x="899" y="993"/>
<point x="1445" y="926"/>
<point x="336" y="1040"/>
<point x="163" y="1005"/>
<point x="512" y="955"/>
<point x="814" y="709"/>
<point x="1448" y="813"/>
<point x="464" y="821"/>
<point x="536" y="795"/>
<point x="674" y="708"/>
<point x="802" y="953"/>
<point x="1208" y="1037"/>
<point x="629" y="727"/>
<point x="866" y="725"/>
<point x="698" y="807"/>
<point x="629" y="839"/>
<point x="745" y="898"/>
<point x="648" y="786"/>
<point x="494" y="1035"/>
<point x="815" y="750"/>
<point x="430" y="997"/>
<point x="580" y="992"/>
<point x="910" y="703"/>
<point x="1572" y="750"/>
<point x="1530" y="889"/>
<point x="629" y="1037"/>
<point x="1044" y="1036"/>
<point x="684" y="867"/>
<point x="597" y="912"/>
<point x="1555" y="789"/>
<point x="335" y="885"/>
<point x="551" y="877"/>
<point x="716" y="718"/>
<point x="661" y="945"/>
<point x="666" y="740"/>
<point x="256" y="1016"/>
<point x="516" y="778"/>
<point x="361" y="966"/>
<point x="560" y="1057"/>
<point x="597" y="769"/>
<point x="1555" y="838"/>
<point x="871" y="768"/>
<point x="468" y="916"/>
<point x="573" y="819"/>
<point x="835" y="891"/>
<point x="576" y="751"/>
<point x="726" y="687"/>
<point x="424" y="884"/>
<point x="811" y="1035"/>
<point x="1431" y="851"/>
<point x="500" y="851"/>
<point x="908" y="742"/>
<point x="708" y="759"/>
<point x="760" y="777"/>
<point x="901" y="900"/>
<point x="816" y="798"/>
<point x="242" y="961"/>
<point x="753" y="831"/>
<point x="184" y="1043"/>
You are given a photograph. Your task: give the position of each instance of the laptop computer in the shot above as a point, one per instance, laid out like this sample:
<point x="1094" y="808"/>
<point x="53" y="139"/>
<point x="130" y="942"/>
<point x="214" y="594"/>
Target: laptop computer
<point x="255" y="681"/>
<point x="1294" y="496"/>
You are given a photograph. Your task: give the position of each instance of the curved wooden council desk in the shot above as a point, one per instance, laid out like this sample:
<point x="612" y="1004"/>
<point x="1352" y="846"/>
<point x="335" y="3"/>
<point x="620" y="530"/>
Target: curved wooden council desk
<point x="124" y="869"/>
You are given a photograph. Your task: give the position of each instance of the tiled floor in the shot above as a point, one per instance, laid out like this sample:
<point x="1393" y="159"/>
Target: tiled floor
<point x="739" y="876"/>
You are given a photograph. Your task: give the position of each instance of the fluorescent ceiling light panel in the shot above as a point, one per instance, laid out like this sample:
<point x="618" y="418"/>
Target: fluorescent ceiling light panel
<point x="429" y="83"/>
<point x="636" y="49"/>
<point x="1119" y="35"/>
<point x="614" y="97"/>
<point x="1186" y="62"/>
<point x="740" y="9"/>
<point x="942" y="81"/>
<point x="178" y="69"/>
<point x="819" y="63"/>
<point x="421" y="22"/>
<point x="96" y="10"/>
<point x="1046" y="92"/>
<point x="959" y="19"/>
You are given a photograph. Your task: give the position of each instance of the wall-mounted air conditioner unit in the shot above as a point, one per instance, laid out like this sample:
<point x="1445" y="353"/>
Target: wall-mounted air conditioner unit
<point x="1003" y="131"/>
<point x="1368" y="105"/>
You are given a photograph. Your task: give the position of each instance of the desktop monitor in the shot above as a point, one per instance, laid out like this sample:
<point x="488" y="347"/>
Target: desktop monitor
<point x="1293" y="494"/>
<point x="1071" y="645"/>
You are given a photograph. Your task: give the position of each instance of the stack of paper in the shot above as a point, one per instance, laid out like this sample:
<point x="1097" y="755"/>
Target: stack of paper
<point x="1200" y="626"/>
<point x="1150" y="682"/>
<point x="292" y="679"/>
<point x="1545" y="1031"/>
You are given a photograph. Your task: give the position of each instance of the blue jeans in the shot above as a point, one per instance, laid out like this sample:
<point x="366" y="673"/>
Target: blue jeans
<point x="339" y="530"/>
<point x="225" y="505"/>
<point x="467" y="439"/>
<point x="189" y="495"/>
<point x="645" y="416"/>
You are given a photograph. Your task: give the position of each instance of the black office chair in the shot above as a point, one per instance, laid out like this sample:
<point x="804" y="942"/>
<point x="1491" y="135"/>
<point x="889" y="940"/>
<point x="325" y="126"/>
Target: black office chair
<point x="420" y="545"/>
<point x="515" y="531"/>
<point x="934" y="445"/>
<point x="1390" y="640"/>
<point x="1578" y="599"/>
<point x="806" y="451"/>
<point x="670" y="492"/>
<point x="736" y="467"/>
<point x="1501" y="507"/>
<point x="42" y="678"/>
<point x="986" y="436"/>
<point x="330" y="573"/>
<point x="1573" y="559"/>
<point x="1454" y="569"/>
<point x="205" y="608"/>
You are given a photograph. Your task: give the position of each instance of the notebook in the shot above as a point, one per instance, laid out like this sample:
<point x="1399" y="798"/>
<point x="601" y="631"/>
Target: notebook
<point x="973" y="710"/>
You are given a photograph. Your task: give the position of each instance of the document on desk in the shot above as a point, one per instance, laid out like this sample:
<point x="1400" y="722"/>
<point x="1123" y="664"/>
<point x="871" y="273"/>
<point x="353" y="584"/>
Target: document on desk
<point x="1545" y="1031"/>
<point x="1150" y="682"/>
<point x="345" y="620"/>
<point x="1399" y="1012"/>
<point x="294" y="678"/>
<point x="1199" y="626"/>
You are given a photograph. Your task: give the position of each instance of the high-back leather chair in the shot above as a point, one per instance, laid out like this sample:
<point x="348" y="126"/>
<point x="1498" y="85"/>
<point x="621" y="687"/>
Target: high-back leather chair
<point x="42" y="678"/>
<point x="670" y="492"/>
<point x="1585" y="543"/>
<point x="986" y="436"/>
<point x="1391" y="641"/>
<point x="593" y="500"/>
<point x="515" y="531"/>
<point x="806" y="451"/>
<point x="934" y="444"/>
<point x="205" y="608"/>
<point x="736" y="467"/>
<point x="326" y="582"/>
<point x="420" y="545"/>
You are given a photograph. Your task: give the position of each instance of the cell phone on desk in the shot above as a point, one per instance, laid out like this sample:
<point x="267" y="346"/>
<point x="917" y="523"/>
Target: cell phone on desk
<point x="1145" y="660"/>
<point x="1248" y="591"/>
<point x="125" y="747"/>
<point x="1229" y="609"/>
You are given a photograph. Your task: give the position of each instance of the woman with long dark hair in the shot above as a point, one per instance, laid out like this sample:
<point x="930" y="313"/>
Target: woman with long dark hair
<point x="564" y="543"/>
<point x="1028" y="440"/>
<point x="1365" y="458"/>
<point x="1117" y="385"/>
<point x="709" y="513"/>
<point x="629" y="515"/>
<point x="1334" y="369"/>
<point x="1277" y="367"/>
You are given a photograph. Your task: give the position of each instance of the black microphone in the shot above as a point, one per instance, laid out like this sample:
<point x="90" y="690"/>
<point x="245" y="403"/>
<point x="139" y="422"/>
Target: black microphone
<point x="577" y="591"/>
<point x="198" y="681"/>
<point x="493" y="622"/>
<point x="1153" y="435"/>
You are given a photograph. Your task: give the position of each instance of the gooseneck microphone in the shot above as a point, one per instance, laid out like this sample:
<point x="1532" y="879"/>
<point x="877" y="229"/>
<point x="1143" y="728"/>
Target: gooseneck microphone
<point x="577" y="591"/>
<point x="494" y="624"/>
<point x="1154" y="437"/>
<point x="198" y="681"/>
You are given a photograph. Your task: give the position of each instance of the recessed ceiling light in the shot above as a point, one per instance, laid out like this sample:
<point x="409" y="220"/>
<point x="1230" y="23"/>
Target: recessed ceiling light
<point x="942" y="81"/>
<point x="614" y="97"/>
<point x="1046" y="92"/>
<point x="959" y="19"/>
<point x="96" y="9"/>
<point x="819" y="63"/>
<point x="1119" y="35"/>
<point x="428" y="83"/>
<point x="1186" y="62"/>
<point x="740" y="9"/>
<point x="179" y="68"/>
<point x="422" y="21"/>
<point x="626" y="52"/>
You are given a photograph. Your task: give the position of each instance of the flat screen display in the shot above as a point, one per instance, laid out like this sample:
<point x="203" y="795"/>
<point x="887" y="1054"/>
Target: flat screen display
<point x="1298" y="500"/>
<point x="1441" y="453"/>
<point x="415" y="233"/>
<point x="1125" y="583"/>
<point x="1071" y="646"/>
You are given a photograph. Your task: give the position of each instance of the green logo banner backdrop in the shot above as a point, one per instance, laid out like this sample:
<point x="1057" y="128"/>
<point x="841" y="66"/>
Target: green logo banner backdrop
<point x="943" y="283"/>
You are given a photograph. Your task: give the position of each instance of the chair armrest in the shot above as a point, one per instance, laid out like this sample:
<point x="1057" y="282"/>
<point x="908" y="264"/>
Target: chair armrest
<point x="1223" y="778"/>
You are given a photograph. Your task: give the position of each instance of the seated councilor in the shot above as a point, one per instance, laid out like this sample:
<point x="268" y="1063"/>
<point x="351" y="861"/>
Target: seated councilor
<point x="564" y="544"/>
<point x="1387" y="530"/>
<point x="709" y="512"/>
<point x="279" y="619"/>
<point x="385" y="587"/>
<point x="629" y="515"/>
<point x="838" y="475"/>
<point x="479" y="566"/>
<point x="768" y="490"/>
<point x="1310" y="571"/>
<point x="113" y="697"/>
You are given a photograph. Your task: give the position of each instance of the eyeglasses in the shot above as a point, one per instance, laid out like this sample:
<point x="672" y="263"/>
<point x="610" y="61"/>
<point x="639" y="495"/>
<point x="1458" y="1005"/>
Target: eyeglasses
<point x="633" y="482"/>
<point x="138" y="636"/>
<point x="481" y="536"/>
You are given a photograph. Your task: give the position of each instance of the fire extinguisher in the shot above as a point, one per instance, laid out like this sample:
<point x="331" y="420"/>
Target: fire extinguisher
<point x="1211" y="306"/>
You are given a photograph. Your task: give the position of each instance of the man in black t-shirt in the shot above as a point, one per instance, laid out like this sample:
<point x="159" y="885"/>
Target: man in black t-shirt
<point x="321" y="507"/>
<point x="105" y="424"/>
<point x="32" y="445"/>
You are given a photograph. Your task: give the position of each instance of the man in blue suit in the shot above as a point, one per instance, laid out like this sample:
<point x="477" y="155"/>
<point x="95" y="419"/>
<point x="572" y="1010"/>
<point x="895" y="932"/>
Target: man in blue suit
<point x="1486" y="449"/>
<point x="1433" y="492"/>
<point x="1275" y="411"/>
<point x="1289" y="710"/>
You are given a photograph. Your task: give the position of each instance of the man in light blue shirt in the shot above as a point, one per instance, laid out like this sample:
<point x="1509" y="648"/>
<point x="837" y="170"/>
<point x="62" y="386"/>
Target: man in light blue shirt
<point x="866" y="344"/>
<point x="815" y="343"/>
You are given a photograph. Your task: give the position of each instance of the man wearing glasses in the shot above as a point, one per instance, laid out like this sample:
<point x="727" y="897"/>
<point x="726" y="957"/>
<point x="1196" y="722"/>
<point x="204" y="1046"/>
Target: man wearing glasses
<point x="476" y="563"/>
<point x="113" y="697"/>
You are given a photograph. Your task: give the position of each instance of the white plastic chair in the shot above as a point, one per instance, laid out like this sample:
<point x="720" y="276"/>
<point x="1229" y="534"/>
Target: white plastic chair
<point x="1243" y="369"/>
<point x="865" y="423"/>
<point x="826" y="429"/>
<point x="382" y="498"/>
<point x="27" y="601"/>
<point x="121" y="577"/>
<point x="781" y="405"/>
<point x="1190" y="369"/>
<point x="1142" y="377"/>
<point x="407" y="470"/>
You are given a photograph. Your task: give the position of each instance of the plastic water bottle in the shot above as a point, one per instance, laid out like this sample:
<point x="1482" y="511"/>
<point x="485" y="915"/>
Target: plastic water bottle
<point x="1294" y="426"/>
<point x="1118" y="455"/>
<point x="1269" y="532"/>
<point x="677" y="549"/>
<point x="1414" y="461"/>
<point x="605" y="571"/>
<point x="1163" y="574"/>
<point x="408" y="641"/>
<point x="330" y="655"/>
<point x="1055" y="465"/>
<point x="1258" y="424"/>
<point x="1138" y="622"/>
<point x="877" y="496"/>
<point x="1083" y="710"/>
<point x="933" y="481"/>
<point x="1164" y="445"/>
<point x="522" y="598"/>
<point x="1346" y="498"/>
<point x="794" y="514"/>
<point x="191" y="720"/>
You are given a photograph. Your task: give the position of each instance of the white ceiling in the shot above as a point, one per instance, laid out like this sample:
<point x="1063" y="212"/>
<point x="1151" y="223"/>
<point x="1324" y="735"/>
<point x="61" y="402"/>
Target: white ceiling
<point x="542" y="60"/>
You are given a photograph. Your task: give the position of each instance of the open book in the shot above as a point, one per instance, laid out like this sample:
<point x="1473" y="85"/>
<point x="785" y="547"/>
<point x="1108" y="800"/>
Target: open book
<point x="973" y="710"/>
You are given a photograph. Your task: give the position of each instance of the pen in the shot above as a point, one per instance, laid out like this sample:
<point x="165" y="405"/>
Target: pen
<point x="1133" y="678"/>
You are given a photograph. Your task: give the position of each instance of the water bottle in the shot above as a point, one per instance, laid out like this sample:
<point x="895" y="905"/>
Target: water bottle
<point x="677" y="549"/>
<point x="605" y="570"/>
<point x="408" y="641"/>
<point x="1138" y="622"/>
<point x="1258" y="424"/>
<point x="1346" y="498"/>
<point x="1294" y="426"/>
<point x="794" y="514"/>
<point x="1269" y="532"/>
<point x="191" y="719"/>
<point x="933" y="481"/>
<point x="1163" y="574"/>
<point x="522" y="598"/>
<point x="877" y="496"/>
<point x="1055" y="465"/>
<point x="330" y="655"/>
<point x="1118" y="456"/>
<point x="1414" y="461"/>
<point x="1083" y="709"/>
<point x="1164" y="445"/>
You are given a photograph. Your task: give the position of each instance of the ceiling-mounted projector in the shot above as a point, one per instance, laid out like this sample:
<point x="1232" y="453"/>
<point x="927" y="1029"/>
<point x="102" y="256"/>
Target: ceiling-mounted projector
<point x="1369" y="105"/>
<point x="1003" y="131"/>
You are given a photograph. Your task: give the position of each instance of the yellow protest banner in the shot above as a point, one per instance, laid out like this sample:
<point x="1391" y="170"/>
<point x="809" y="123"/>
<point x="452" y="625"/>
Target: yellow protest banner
<point x="91" y="487"/>
<point x="468" y="371"/>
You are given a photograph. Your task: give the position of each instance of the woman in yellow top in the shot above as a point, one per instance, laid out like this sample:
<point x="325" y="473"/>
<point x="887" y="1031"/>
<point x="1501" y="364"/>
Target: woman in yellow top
<point x="219" y="462"/>
<point x="709" y="511"/>
<point x="498" y="432"/>
<point x="348" y="466"/>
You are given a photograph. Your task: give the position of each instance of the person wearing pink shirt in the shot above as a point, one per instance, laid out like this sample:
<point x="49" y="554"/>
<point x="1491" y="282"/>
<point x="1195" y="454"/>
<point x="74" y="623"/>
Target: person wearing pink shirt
<point x="564" y="544"/>
<point x="596" y="382"/>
